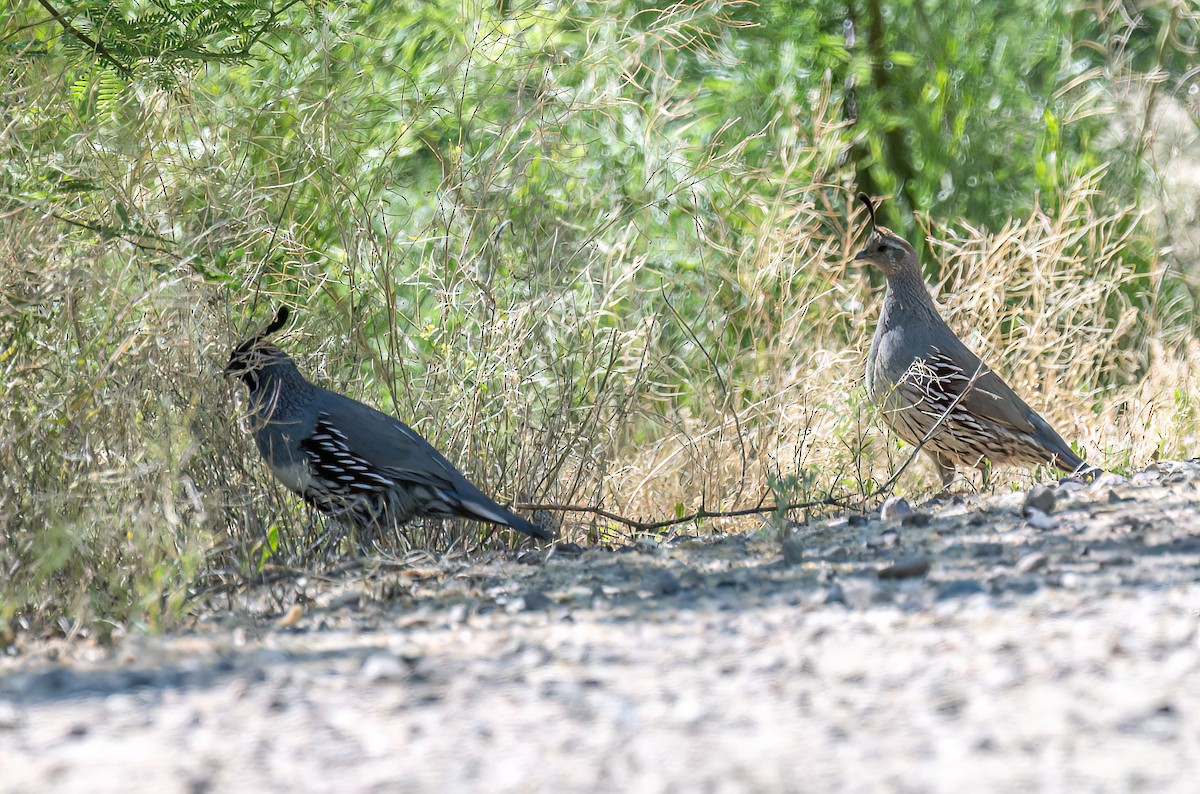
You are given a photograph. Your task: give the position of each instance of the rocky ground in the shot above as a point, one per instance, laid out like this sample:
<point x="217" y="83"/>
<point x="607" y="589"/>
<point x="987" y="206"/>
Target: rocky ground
<point x="1045" y="641"/>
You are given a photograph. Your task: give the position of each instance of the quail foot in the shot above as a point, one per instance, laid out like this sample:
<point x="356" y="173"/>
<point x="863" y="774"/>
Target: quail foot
<point x="347" y="459"/>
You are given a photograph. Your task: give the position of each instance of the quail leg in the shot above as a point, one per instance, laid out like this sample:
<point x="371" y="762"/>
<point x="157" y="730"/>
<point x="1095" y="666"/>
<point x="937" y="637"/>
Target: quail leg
<point x="945" y="469"/>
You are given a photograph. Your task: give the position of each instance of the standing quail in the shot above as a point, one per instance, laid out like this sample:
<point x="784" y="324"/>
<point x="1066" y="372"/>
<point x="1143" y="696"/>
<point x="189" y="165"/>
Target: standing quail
<point x="933" y="391"/>
<point x="348" y="459"/>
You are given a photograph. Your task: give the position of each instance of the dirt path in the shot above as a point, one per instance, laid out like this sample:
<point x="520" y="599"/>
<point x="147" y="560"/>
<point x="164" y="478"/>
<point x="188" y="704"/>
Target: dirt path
<point x="1055" y="652"/>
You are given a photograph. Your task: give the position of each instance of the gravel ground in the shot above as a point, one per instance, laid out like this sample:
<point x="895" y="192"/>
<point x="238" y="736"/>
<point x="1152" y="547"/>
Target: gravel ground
<point x="982" y="644"/>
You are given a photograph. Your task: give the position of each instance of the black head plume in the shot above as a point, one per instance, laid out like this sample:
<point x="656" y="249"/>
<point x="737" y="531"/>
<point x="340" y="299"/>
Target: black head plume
<point x="865" y="199"/>
<point x="241" y="362"/>
<point x="281" y="318"/>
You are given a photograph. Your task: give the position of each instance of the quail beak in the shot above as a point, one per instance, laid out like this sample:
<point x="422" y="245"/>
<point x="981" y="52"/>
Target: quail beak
<point x="863" y="257"/>
<point x="234" y="369"/>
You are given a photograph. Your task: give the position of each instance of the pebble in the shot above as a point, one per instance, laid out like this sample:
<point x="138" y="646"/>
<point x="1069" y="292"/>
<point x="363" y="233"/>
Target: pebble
<point x="290" y="618"/>
<point x="1021" y="585"/>
<point x="960" y="589"/>
<point x="834" y="594"/>
<point x="534" y="601"/>
<point x="917" y="518"/>
<point x="884" y="540"/>
<point x="987" y="550"/>
<point x="383" y="666"/>
<point x="862" y="593"/>
<point x="1040" y="497"/>
<point x="793" y="550"/>
<point x="1033" y="561"/>
<point x="1039" y="520"/>
<point x="1108" y="480"/>
<point x="689" y="579"/>
<point x="895" y="507"/>
<point x="10" y="716"/>
<point x="908" y="568"/>
<point x="661" y="582"/>
<point x="835" y="554"/>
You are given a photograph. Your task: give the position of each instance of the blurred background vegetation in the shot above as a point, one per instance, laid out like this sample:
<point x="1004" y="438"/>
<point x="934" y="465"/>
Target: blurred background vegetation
<point x="597" y="252"/>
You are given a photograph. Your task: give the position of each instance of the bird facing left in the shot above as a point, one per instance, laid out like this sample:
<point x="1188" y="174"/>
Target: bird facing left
<point x="347" y="459"/>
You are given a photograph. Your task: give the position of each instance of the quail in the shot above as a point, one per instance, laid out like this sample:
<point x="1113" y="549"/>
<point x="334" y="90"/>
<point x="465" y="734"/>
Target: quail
<point x="933" y="391"/>
<point x="347" y="459"/>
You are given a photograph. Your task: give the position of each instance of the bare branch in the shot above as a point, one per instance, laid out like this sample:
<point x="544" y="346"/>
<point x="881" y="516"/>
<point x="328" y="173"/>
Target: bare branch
<point x="651" y="526"/>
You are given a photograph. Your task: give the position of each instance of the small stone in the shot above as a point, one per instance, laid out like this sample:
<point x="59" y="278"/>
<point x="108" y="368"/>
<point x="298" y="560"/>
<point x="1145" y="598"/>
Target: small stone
<point x="863" y="593"/>
<point x="960" y="588"/>
<point x="568" y="549"/>
<point x="793" y="550"/>
<point x="917" y="518"/>
<point x="981" y="550"/>
<point x="1108" y="480"/>
<point x="689" y="579"/>
<point x="290" y="618"/>
<point x="856" y="520"/>
<point x="1022" y="585"/>
<point x="531" y="557"/>
<point x="833" y="595"/>
<point x="1040" y="498"/>
<point x="383" y="666"/>
<point x="906" y="569"/>
<point x="661" y="583"/>
<point x="1145" y="477"/>
<point x="894" y="507"/>
<point x="1039" y="520"/>
<point x="1033" y="561"/>
<point x="535" y="601"/>
<point x="884" y="540"/>
<point x="10" y="716"/>
<point x="835" y="554"/>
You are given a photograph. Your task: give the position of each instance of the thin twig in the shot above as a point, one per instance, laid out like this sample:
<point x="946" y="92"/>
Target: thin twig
<point x="650" y="526"/>
<point x="122" y="234"/>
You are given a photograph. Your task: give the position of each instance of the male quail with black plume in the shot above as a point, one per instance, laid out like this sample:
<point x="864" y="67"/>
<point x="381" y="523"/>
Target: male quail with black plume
<point x="348" y="459"/>
<point x="933" y="390"/>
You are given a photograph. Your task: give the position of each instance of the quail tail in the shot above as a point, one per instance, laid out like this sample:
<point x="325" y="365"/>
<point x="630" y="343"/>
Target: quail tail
<point x="1064" y="457"/>
<point x="486" y="510"/>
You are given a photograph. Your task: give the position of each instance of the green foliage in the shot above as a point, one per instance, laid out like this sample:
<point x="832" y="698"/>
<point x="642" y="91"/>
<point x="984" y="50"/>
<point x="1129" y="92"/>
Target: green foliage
<point x="160" y="41"/>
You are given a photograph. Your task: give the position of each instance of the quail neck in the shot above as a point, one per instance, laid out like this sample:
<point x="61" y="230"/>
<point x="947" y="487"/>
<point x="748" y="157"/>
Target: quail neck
<point x="276" y="387"/>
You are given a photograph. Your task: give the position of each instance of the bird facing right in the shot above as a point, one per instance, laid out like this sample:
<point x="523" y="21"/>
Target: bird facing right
<point x="933" y="391"/>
